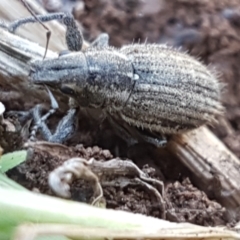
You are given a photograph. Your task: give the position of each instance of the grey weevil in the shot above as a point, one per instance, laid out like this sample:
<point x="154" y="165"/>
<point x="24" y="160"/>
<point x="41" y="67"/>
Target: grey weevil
<point x="147" y="91"/>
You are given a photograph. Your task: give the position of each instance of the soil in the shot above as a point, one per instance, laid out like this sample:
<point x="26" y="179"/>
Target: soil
<point x="208" y="30"/>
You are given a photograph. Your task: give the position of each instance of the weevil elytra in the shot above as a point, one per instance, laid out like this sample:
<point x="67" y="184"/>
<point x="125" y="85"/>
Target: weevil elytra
<point x="146" y="90"/>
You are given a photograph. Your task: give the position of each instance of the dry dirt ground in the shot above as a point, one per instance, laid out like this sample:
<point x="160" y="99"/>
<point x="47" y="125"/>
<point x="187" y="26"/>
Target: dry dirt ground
<point x="209" y="30"/>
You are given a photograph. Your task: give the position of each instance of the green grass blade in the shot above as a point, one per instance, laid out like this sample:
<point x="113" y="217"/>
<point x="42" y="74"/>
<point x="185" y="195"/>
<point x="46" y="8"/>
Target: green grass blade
<point x="11" y="160"/>
<point x="18" y="207"/>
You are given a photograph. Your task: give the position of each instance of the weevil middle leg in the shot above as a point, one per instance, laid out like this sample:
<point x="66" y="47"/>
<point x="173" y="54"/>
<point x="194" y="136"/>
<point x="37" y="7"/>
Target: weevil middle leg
<point x="132" y="135"/>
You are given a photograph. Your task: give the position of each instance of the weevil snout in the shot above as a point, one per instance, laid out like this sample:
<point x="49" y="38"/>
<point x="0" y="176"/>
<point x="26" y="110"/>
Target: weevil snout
<point x="67" y="68"/>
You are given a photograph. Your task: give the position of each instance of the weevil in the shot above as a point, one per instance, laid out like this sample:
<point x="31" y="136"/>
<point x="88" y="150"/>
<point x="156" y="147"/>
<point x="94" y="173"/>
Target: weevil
<point x="147" y="91"/>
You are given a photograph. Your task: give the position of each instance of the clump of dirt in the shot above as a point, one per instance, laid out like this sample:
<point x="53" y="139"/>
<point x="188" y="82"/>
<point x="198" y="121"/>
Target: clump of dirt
<point x="181" y="202"/>
<point x="188" y="204"/>
<point x="132" y="199"/>
<point x="43" y="159"/>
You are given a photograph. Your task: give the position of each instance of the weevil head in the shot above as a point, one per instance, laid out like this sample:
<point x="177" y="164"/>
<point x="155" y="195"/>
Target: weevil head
<point x="67" y="73"/>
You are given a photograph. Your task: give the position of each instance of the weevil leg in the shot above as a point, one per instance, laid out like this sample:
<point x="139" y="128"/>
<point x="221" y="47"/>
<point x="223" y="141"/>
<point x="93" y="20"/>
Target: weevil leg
<point x="143" y="136"/>
<point x="101" y="41"/>
<point x="40" y="120"/>
<point x="39" y="123"/>
<point x="65" y="128"/>
<point x="132" y="135"/>
<point x="156" y="141"/>
<point x="64" y="131"/>
<point x="122" y="132"/>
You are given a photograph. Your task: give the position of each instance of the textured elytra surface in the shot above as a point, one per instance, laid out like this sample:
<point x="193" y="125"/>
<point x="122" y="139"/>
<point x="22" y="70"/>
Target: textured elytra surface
<point x="174" y="91"/>
<point x="150" y="86"/>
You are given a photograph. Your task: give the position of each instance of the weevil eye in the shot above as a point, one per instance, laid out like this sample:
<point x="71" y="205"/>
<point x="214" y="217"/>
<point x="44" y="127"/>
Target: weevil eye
<point x="67" y="90"/>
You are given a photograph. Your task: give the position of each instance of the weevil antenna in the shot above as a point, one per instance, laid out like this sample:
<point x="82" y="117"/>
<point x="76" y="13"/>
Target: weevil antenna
<point x="48" y="34"/>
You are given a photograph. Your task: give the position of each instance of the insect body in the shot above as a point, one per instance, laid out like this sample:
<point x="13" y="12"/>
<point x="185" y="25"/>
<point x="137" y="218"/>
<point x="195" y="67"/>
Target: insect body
<point x="150" y="87"/>
<point x="146" y="90"/>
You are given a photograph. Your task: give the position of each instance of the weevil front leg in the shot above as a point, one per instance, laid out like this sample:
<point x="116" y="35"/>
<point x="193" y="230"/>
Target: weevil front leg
<point x="65" y="128"/>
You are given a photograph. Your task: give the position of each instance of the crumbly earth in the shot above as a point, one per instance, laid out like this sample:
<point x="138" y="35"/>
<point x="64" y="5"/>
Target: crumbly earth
<point x="184" y="202"/>
<point x="208" y="30"/>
